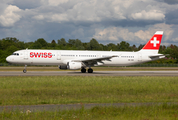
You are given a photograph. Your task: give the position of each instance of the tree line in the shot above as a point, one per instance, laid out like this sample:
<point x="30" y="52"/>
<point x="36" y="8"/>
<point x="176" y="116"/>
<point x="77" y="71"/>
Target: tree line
<point x="9" y="45"/>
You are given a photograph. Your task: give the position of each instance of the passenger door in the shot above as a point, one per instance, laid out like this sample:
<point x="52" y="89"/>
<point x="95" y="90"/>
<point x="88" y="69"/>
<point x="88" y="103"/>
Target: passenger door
<point x="58" y="55"/>
<point x="139" y="57"/>
<point x="26" y="54"/>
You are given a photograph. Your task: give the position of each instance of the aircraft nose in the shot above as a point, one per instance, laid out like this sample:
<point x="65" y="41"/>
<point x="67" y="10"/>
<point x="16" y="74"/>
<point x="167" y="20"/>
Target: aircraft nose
<point x="8" y="59"/>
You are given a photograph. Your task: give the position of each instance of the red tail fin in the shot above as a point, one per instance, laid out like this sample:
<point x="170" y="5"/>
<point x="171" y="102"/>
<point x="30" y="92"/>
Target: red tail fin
<point x="154" y="42"/>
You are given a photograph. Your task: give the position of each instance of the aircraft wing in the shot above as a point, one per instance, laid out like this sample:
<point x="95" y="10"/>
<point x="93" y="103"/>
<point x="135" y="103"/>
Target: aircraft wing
<point x="94" y="60"/>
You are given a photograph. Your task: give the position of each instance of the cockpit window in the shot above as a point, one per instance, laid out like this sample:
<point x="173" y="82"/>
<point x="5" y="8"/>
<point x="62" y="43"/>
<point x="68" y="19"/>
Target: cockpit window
<point x="17" y="54"/>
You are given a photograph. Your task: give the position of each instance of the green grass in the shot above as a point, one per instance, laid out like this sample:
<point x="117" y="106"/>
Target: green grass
<point x="86" y="89"/>
<point x="161" y="112"/>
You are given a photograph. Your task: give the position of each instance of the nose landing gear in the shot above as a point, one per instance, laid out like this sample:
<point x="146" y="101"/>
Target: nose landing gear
<point x="24" y="70"/>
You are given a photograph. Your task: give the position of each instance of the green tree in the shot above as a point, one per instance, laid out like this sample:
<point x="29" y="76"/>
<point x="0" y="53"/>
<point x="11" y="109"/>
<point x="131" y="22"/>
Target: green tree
<point x="43" y="43"/>
<point x="62" y="42"/>
<point x="94" y="45"/>
<point x="5" y="43"/>
<point x="104" y="47"/>
<point x="39" y="44"/>
<point x="168" y="50"/>
<point x="21" y="45"/>
<point x="36" y="45"/>
<point x="124" y="46"/>
<point x="11" y="49"/>
<point x="85" y="45"/>
<point x="53" y="44"/>
<point x="111" y="46"/>
<point x="71" y="42"/>
<point x="133" y="48"/>
<point x="29" y="45"/>
<point x="0" y="44"/>
<point x="162" y="48"/>
<point x="174" y="53"/>
<point x="78" y="44"/>
<point x="140" y="46"/>
<point x="3" y="55"/>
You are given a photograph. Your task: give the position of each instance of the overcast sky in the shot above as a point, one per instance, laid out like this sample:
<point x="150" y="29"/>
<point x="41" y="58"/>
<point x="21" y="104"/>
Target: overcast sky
<point x="108" y="21"/>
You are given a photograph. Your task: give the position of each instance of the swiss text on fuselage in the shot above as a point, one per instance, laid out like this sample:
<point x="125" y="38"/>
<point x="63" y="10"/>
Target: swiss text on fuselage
<point x="40" y="55"/>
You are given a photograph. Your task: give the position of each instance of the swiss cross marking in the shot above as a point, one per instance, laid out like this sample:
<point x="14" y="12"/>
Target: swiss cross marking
<point x="154" y="42"/>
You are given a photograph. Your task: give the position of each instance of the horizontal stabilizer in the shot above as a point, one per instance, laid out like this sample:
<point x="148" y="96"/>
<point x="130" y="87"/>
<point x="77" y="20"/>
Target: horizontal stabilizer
<point x="157" y="55"/>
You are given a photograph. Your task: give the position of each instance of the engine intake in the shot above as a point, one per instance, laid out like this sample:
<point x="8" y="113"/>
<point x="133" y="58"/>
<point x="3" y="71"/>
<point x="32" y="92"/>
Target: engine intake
<point x="74" y="65"/>
<point x="71" y="66"/>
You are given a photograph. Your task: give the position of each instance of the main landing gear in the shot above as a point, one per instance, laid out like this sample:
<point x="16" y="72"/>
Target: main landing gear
<point x="83" y="70"/>
<point x="90" y="70"/>
<point x="24" y="70"/>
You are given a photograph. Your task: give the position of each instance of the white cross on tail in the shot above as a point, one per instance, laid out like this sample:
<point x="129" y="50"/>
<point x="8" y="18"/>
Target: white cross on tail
<point x="154" y="42"/>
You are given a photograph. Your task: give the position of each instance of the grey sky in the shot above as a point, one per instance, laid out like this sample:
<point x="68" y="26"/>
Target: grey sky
<point x="108" y="21"/>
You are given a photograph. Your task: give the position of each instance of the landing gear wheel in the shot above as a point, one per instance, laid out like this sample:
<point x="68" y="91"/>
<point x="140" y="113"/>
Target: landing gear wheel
<point x="24" y="71"/>
<point x="83" y="70"/>
<point x="90" y="70"/>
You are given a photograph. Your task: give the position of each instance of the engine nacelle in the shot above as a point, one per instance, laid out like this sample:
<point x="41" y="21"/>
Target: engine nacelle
<point x="63" y="67"/>
<point x="74" y="65"/>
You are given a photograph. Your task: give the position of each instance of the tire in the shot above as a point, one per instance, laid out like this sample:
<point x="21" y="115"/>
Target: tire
<point x="83" y="70"/>
<point x="90" y="70"/>
<point x="24" y="71"/>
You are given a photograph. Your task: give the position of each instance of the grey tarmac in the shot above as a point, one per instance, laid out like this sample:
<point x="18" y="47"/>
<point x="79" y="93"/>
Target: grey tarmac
<point x="57" y="107"/>
<point x="95" y="73"/>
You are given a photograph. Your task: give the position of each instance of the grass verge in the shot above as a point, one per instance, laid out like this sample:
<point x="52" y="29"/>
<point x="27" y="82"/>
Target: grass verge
<point x="86" y="89"/>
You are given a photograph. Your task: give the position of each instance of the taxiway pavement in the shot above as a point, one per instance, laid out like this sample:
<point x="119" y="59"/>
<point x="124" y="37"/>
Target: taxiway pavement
<point x="95" y="73"/>
<point x="37" y="108"/>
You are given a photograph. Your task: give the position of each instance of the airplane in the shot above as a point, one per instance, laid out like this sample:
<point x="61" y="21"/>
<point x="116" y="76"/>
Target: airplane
<point x="82" y="59"/>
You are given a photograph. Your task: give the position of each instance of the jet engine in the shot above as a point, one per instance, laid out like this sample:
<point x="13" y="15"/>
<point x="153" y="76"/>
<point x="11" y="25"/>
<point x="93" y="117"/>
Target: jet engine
<point x="71" y="66"/>
<point x="74" y="65"/>
<point x="63" y="67"/>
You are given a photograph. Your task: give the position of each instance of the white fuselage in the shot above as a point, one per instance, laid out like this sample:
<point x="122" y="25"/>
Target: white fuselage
<point x="62" y="57"/>
<point x="75" y="59"/>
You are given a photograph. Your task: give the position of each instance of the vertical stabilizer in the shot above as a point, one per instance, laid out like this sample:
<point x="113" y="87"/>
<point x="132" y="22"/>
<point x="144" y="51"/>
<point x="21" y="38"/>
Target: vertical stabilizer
<point x="153" y="44"/>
